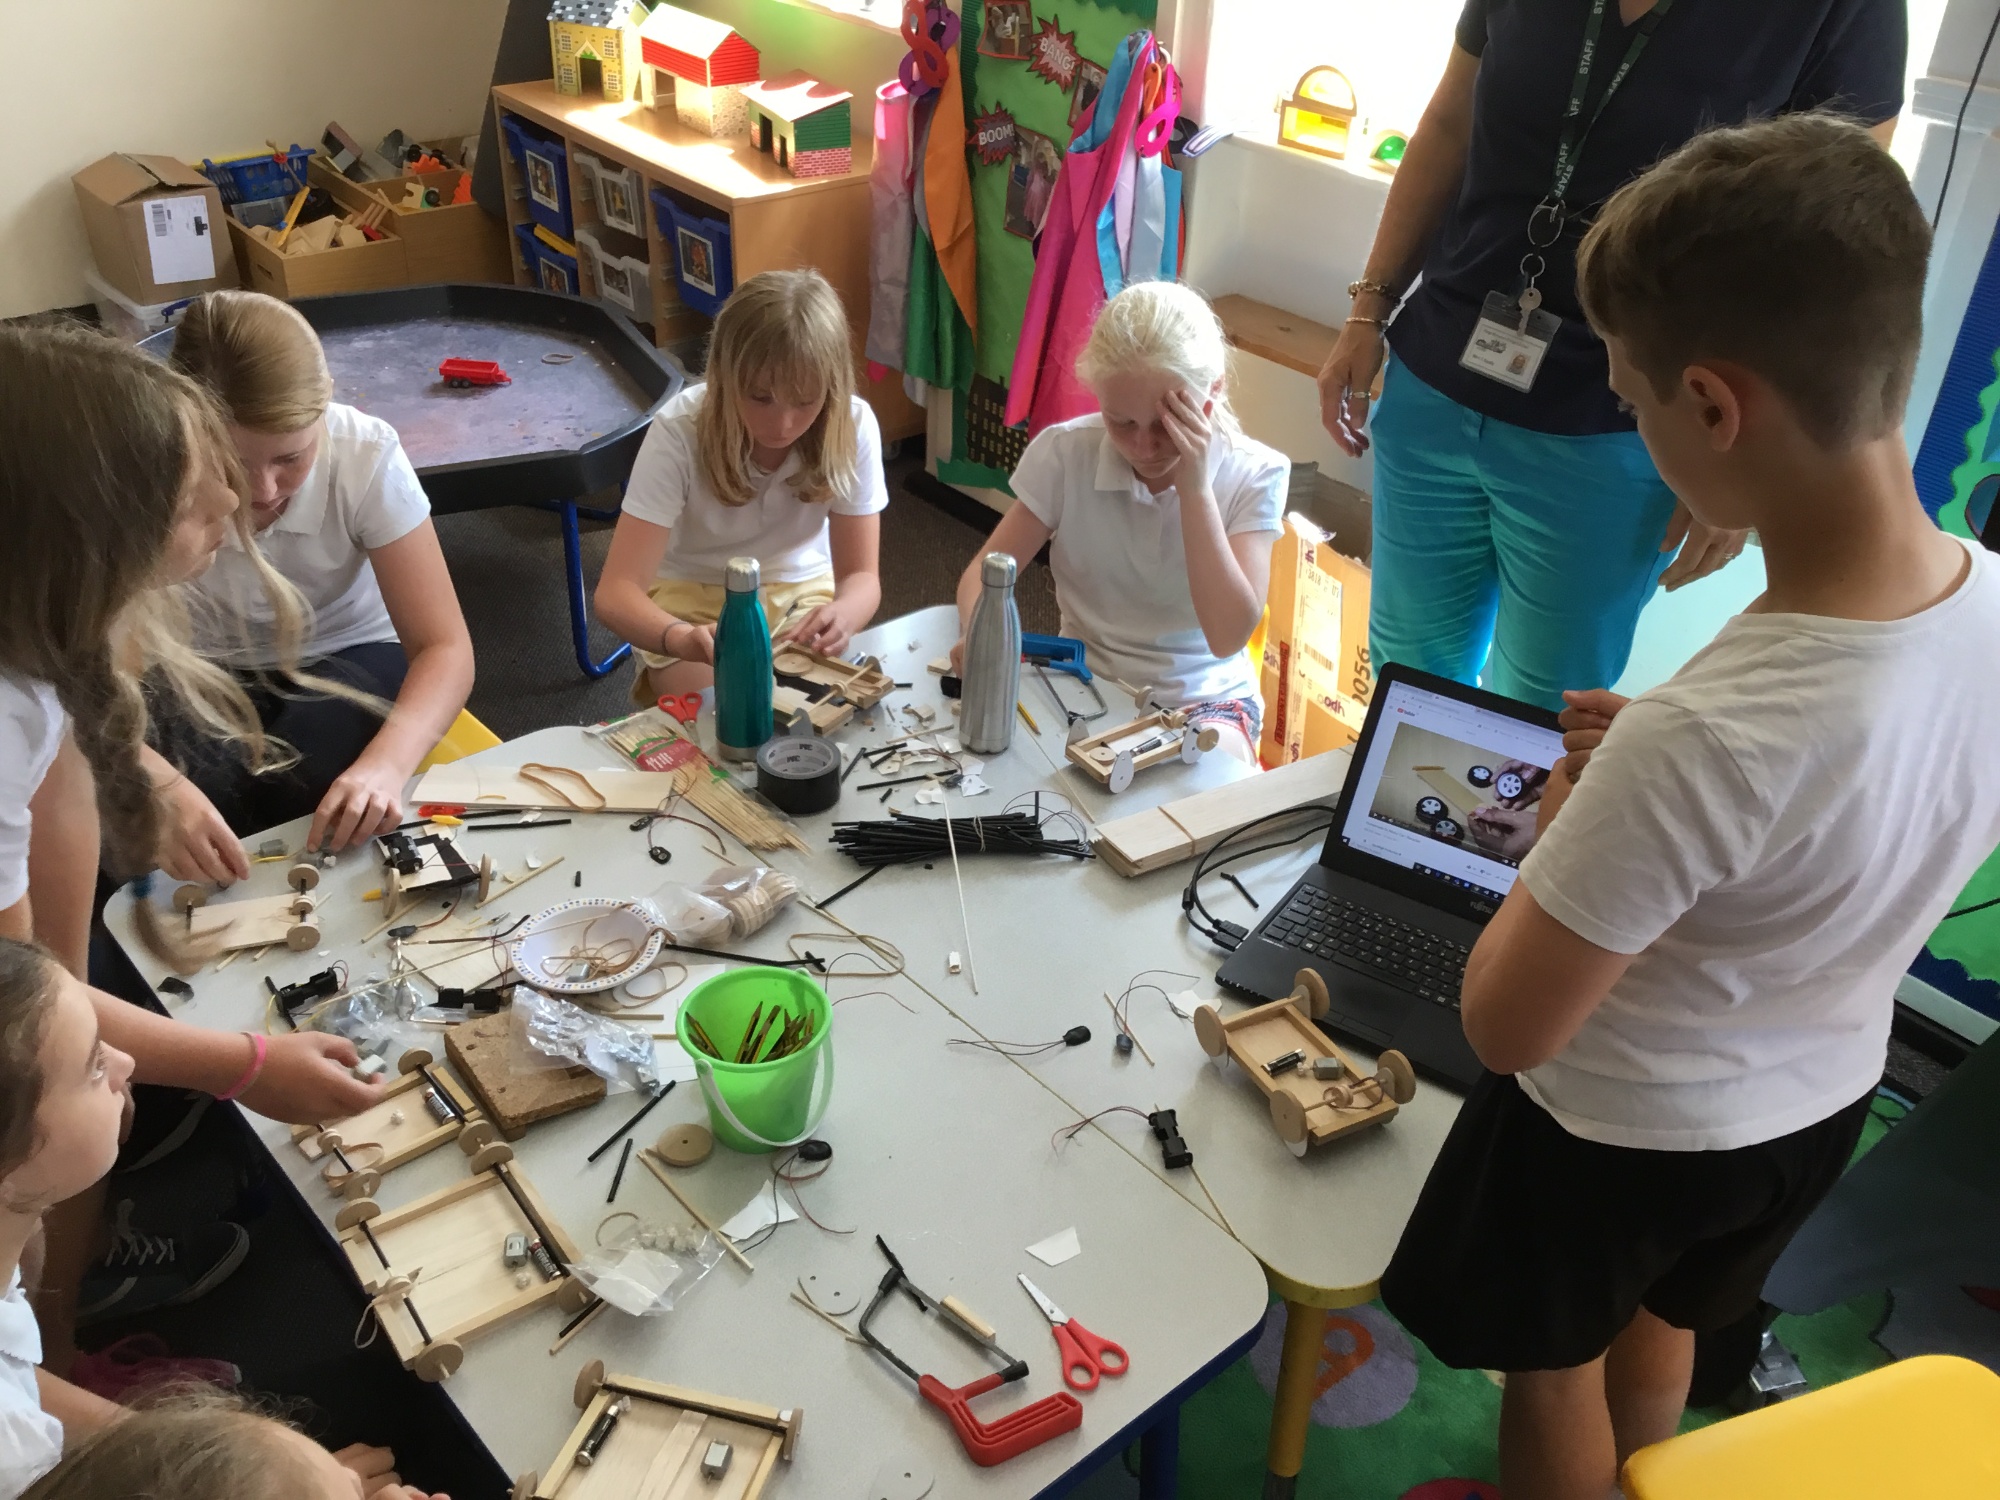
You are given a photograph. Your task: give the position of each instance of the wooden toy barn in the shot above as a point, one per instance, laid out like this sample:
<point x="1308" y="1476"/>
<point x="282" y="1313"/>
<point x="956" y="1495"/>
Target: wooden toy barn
<point x="595" y="44"/>
<point x="804" y="123"/>
<point x="709" y="63"/>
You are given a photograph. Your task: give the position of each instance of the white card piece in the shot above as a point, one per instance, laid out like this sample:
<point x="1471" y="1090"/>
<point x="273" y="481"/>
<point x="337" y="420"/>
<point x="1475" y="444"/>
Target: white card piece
<point x="760" y="1213"/>
<point x="671" y="1061"/>
<point x="180" y="238"/>
<point x="930" y="795"/>
<point x="1057" y="1248"/>
<point x="1184" y="1004"/>
<point x="973" y="786"/>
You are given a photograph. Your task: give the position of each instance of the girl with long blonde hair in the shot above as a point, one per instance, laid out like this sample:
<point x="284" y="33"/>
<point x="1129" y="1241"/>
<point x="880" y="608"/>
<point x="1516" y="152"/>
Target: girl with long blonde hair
<point x="337" y="510"/>
<point x="1159" y="512"/>
<point x="774" y="457"/>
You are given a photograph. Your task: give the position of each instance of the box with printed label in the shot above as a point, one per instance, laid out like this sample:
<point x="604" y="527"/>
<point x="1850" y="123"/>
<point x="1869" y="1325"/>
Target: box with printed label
<point x="155" y="227"/>
<point x="1317" y="675"/>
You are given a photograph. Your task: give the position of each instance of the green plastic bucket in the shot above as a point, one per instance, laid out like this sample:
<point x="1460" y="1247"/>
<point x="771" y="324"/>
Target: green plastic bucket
<point x="759" y="1106"/>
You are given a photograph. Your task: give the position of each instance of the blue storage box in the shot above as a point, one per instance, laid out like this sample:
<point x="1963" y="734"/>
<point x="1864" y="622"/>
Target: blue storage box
<point x="246" y="179"/>
<point x="703" y="265"/>
<point x="551" y="270"/>
<point x="544" y="163"/>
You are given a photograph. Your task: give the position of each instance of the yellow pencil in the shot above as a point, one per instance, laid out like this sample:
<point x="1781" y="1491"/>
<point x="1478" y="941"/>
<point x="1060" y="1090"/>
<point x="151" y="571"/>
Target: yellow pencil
<point x="1028" y="717"/>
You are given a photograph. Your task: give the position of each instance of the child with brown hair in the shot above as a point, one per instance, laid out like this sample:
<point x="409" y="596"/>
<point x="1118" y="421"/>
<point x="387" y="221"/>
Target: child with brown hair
<point x="1685" y="1000"/>
<point x="774" y="457"/>
<point x="337" y="510"/>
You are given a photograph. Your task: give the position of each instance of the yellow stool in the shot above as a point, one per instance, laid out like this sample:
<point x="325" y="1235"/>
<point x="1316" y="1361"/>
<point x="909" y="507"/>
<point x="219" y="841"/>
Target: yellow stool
<point x="1928" y="1426"/>
<point x="465" y="736"/>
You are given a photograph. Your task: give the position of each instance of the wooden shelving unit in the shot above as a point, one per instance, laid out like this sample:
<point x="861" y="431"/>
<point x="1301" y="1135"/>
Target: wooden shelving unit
<point x="776" y="221"/>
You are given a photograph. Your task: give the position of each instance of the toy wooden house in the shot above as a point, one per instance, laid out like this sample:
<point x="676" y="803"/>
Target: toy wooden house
<point x="804" y="123"/>
<point x="595" y="44"/>
<point x="709" y="63"/>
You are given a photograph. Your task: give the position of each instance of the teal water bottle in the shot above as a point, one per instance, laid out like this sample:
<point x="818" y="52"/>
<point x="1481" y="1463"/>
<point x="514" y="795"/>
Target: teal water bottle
<point x="743" y="679"/>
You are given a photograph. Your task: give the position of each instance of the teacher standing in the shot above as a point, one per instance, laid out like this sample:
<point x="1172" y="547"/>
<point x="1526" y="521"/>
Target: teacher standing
<point x="1515" y="507"/>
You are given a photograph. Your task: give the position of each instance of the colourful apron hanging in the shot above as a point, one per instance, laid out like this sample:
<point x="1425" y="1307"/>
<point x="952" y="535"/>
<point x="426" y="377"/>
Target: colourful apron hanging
<point x="891" y="224"/>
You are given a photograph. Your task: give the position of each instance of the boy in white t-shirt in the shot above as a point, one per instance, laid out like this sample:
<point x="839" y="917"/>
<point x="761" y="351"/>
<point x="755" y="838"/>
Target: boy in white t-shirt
<point x="1686" y="998"/>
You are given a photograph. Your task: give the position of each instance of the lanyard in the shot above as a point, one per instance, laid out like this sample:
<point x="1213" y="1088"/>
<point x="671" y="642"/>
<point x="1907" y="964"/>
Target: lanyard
<point x="1570" y="146"/>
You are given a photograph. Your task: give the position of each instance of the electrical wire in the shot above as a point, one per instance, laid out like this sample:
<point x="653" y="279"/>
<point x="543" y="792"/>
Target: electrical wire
<point x="1966" y="911"/>
<point x="1958" y="125"/>
<point x="1228" y="935"/>
<point x="1067" y="1133"/>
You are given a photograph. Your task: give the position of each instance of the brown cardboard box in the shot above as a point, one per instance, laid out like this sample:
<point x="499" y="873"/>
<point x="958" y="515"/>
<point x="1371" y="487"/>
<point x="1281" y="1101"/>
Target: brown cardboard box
<point x="1317" y="675"/>
<point x="145" y="230"/>
<point x="453" y="242"/>
<point x="354" y="268"/>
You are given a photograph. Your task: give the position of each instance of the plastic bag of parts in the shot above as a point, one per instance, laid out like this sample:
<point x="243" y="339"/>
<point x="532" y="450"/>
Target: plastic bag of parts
<point x="570" y="1035"/>
<point x="647" y="1271"/>
<point x="732" y="903"/>
<point x="379" y="1017"/>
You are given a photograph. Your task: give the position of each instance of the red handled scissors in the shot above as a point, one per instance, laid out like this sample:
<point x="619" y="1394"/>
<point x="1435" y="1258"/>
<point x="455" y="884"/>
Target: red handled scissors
<point x="1085" y="1356"/>
<point x="683" y="706"/>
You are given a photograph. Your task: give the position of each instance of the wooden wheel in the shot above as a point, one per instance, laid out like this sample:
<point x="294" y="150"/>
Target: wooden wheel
<point x="1207" y="738"/>
<point x="300" y="936"/>
<point x="357" y="1211"/>
<point x="1289" y="1116"/>
<point x="331" y="1140"/>
<point x="1315" y="998"/>
<point x="303" y="905"/>
<point x="412" y="1059"/>
<point x="361" y="1184"/>
<point x="574" y="1296"/>
<point x="492" y="1155"/>
<point x="188" y="897"/>
<point x="685" y="1145"/>
<point x="524" y="1487"/>
<point x="1397" y="1077"/>
<point x="477" y="1136"/>
<point x="588" y="1379"/>
<point x="439" y="1361"/>
<point x="1208" y="1030"/>
<point x="303" y="876"/>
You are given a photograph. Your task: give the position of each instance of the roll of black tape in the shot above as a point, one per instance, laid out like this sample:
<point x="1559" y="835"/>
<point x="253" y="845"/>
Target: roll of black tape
<point x="799" y="775"/>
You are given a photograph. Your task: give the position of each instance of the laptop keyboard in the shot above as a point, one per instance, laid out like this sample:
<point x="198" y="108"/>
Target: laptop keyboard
<point x="1324" y="926"/>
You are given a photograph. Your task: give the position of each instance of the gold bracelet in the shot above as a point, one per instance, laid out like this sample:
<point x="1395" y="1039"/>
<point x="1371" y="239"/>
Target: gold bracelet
<point x="1363" y="284"/>
<point x="1371" y="322"/>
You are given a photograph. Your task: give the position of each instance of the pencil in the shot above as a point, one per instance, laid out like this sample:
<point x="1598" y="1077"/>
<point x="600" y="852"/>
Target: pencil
<point x="1033" y="727"/>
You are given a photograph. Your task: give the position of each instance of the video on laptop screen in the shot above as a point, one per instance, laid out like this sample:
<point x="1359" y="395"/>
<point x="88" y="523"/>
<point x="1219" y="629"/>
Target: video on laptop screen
<point x="1449" y="790"/>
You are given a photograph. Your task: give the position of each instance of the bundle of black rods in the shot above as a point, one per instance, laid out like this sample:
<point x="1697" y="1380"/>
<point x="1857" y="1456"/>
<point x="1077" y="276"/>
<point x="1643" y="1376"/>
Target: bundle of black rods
<point x="903" y="838"/>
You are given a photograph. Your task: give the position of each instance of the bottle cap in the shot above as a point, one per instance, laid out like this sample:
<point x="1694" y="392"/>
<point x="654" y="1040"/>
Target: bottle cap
<point x="997" y="570"/>
<point x="743" y="575"/>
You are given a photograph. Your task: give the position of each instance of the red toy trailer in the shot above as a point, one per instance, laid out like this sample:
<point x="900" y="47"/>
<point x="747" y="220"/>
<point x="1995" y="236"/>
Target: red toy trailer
<point x="460" y="374"/>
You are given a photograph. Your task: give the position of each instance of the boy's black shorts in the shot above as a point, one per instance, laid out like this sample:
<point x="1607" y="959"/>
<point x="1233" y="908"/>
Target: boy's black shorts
<point x="1530" y="1248"/>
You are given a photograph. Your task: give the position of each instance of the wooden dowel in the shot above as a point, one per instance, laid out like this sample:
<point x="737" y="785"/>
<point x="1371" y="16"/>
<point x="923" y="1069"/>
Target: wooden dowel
<point x="500" y="890"/>
<point x="658" y="1169"/>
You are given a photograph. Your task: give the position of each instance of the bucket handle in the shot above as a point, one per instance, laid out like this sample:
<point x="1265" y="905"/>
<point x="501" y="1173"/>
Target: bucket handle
<point x="815" y="1111"/>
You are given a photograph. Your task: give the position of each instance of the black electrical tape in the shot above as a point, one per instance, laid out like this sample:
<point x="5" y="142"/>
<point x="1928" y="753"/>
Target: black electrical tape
<point x="799" y="775"/>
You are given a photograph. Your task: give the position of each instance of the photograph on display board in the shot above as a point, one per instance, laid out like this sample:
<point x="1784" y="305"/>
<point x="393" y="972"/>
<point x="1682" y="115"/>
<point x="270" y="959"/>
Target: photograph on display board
<point x="1031" y="182"/>
<point x="1459" y="794"/>
<point x="542" y="181"/>
<point x="697" y="257"/>
<point x="556" y="278"/>
<point x="1009" y="30"/>
<point x="1089" y="83"/>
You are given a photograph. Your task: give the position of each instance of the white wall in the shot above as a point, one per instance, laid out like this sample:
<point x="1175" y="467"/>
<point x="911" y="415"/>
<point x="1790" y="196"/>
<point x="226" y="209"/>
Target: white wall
<point x="195" y="78"/>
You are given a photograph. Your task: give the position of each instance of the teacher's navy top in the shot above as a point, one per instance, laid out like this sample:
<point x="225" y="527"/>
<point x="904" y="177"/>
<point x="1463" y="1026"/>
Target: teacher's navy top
<point x="1709" y="62"/>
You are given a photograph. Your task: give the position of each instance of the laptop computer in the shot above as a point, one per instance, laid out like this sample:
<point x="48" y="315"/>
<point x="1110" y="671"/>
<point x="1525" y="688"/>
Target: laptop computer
<point x="1435" y="815"/>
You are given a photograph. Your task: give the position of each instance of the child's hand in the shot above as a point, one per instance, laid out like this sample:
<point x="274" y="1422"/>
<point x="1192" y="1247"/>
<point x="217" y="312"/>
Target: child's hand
<point x="1192" y="433"/>
<point x="824" y="628"/>
<point x="1585" y="718"/>
<point x="307" y="1079"/>
<point x="686" y="641"/>
<point x="196" y="844"/>
<point x="375" y="1469"/>
<point x="364" y="800"/>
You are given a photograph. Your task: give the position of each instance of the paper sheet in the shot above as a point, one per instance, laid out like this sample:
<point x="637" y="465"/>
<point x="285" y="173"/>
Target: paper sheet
<point x="180" y="238"/>
<point x="761" y="1212"/>
<point x="1057" y="1248"/>
<point x="1184" y="1004"/>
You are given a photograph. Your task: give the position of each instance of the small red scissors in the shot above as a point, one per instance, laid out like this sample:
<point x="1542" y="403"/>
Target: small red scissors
<point x="683" y="706"/>
<point x="1085" y="1356"/>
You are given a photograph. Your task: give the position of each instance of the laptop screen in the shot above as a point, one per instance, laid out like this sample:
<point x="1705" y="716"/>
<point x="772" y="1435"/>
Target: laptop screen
<point x="1447" y="789"/>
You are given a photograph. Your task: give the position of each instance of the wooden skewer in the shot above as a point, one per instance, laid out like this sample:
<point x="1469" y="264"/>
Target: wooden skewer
<point x="654" y="1166"/>
<point x="578" y="1326"/>
<point x="1126" y="1027"/>
<point x="829" y="1319"/>
<point x="498" y="891"/>
<point x="396" y="915"/>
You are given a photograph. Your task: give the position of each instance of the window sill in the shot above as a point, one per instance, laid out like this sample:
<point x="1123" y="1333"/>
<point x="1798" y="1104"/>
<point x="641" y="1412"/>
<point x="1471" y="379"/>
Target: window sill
<point x="885" y="16"/>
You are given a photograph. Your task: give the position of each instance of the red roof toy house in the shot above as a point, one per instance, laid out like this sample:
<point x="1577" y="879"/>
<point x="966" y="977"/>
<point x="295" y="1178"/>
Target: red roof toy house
<point x="708" y="61"/>
<point x="804" y="123"/>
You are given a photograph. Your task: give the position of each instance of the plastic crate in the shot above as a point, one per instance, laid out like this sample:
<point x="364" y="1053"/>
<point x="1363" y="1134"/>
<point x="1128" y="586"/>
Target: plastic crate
<point x="620" y="193"/>
<point x="246" y="179"/>
<point x="622" y="280"/>
<point x="544" y="163"/>
<point x="551" y="270"/>
<point x="704" y="267"/>
<point x="120" y="316"/>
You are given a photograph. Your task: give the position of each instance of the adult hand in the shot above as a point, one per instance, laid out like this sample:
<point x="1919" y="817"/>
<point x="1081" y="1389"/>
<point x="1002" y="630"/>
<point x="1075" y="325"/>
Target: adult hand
<point x="1347" y="384"/>
<point x="307" y="1079"/>
<point x="1192" y="433"/>
<point x="365" y="800"/>
<point x="1703" y="548"/>
<point x="1506" y="831"/>
<point x="1532" y="777"/>
<point x="1584" y="719"/>
<point x="824" y="628"/>
<point x="195" y="843"/>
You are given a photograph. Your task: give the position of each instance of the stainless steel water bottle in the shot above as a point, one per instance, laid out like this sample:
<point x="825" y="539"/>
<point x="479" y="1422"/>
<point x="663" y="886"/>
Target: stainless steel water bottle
<point x="743" y="680"/>
<point x="992" y="682"/>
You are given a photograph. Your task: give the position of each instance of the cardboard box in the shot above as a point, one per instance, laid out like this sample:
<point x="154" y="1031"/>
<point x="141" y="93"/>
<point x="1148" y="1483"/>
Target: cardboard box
<point x="1317" y="675"/>
<point x="155" y="227"/>
<point x="453" y="242"/>
<point x="354" y="268"/>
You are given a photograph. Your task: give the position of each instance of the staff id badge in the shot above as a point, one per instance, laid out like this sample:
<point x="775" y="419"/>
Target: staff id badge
<point x="1512" y="335"/>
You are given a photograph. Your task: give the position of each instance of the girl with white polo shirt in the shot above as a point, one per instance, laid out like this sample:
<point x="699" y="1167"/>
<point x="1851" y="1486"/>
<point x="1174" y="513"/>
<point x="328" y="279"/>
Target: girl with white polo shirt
<point x="1159" y="512"/>
<point x="338" y="511"/>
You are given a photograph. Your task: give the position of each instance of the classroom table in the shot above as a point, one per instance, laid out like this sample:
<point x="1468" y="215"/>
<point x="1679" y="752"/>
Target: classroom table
<point x="1044" y="938"/>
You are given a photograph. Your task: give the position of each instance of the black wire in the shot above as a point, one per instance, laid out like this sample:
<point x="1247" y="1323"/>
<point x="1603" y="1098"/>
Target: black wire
<point x="1958" y="125"/>
<point x="1191" y="903"/>
<point x="1966" y="911"/>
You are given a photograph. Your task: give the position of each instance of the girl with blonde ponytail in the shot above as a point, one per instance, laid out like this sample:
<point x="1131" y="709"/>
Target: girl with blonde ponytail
<point x="1159" y="513"/>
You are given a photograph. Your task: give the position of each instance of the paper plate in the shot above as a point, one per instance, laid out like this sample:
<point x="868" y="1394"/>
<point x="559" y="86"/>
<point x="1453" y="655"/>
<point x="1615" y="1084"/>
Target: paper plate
<point x="591" y="925"/>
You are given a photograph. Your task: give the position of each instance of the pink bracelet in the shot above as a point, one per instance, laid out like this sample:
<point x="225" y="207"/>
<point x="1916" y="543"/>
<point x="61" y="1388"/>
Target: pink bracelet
<point x="259" y="1048"/>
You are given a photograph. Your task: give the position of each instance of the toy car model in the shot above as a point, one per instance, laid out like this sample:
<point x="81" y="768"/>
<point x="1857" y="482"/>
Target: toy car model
<point x="461" y="374"/>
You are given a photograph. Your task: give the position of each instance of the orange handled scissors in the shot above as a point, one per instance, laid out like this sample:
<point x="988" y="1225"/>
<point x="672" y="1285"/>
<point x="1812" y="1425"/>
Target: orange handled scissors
<point x="1085" y="1356"/>
<point x="683" y="706"/>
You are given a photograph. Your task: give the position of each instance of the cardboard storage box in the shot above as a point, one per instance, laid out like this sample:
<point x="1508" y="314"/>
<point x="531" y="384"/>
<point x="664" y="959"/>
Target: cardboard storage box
<point x="155" y="227"/>
<point x="453" y="242"/>
<point x="353" y="268"/>
<point x="1317" y="675"/>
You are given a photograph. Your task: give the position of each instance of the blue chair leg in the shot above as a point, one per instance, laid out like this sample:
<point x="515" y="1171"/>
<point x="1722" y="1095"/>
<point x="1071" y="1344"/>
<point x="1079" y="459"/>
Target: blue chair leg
<point x="1160" y="1457"/>
<point x="579" y="611"/>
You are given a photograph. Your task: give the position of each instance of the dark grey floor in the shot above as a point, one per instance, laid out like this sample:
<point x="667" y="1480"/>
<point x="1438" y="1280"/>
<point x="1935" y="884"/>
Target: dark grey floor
<point x="508" y="566"/>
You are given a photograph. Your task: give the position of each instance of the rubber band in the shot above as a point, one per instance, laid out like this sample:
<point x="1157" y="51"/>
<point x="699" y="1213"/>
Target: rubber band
<point x="260" y="1048"/>
<point x="537" y="774"/>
